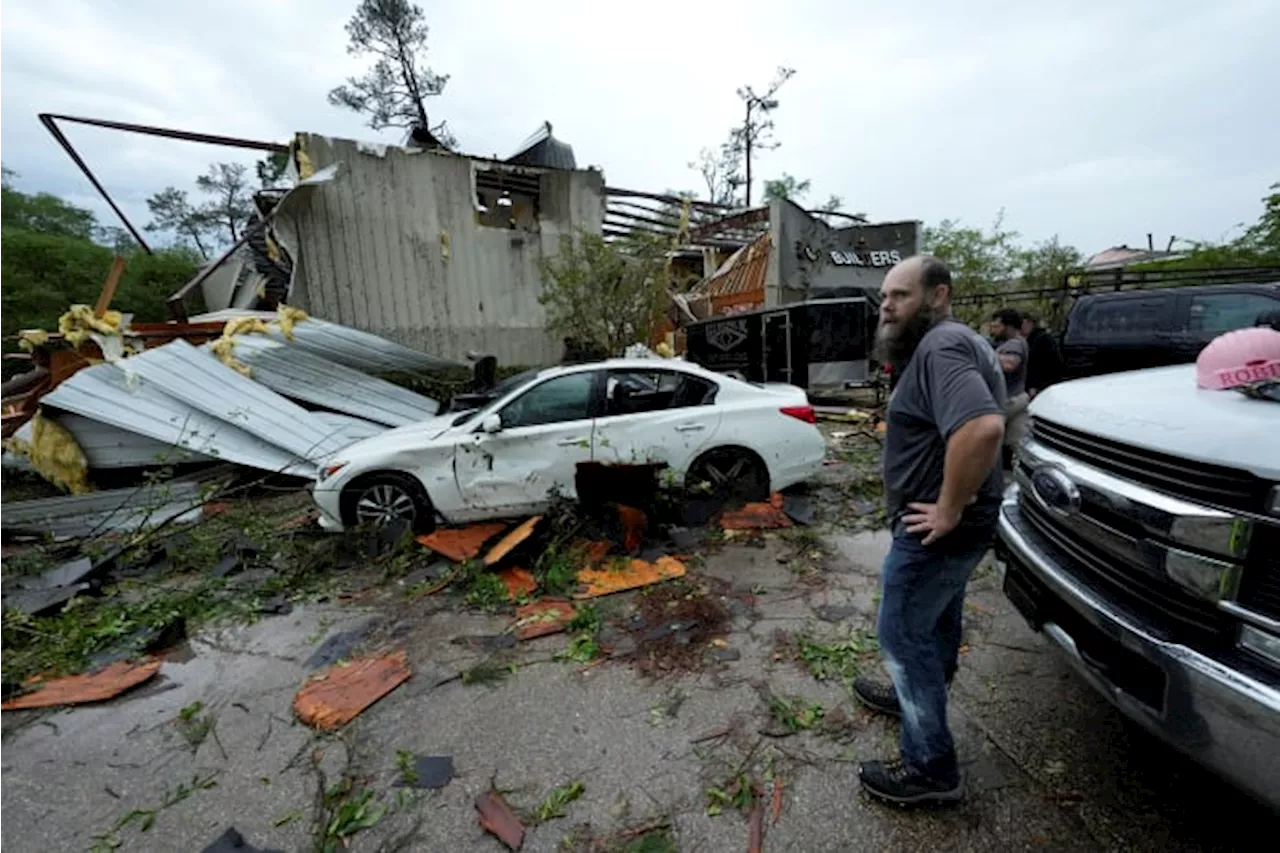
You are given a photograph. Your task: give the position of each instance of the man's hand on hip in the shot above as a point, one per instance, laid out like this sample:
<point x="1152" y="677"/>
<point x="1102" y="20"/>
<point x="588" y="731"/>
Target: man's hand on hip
<point x="931" y="520"/>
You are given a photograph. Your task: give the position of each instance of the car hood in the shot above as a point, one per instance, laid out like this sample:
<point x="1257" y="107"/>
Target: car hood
<point x="1163" y="410"/>
<point x="408" y="436"/>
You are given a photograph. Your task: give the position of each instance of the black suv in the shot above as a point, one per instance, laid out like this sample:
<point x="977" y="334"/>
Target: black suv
<point x="1135" y="329"/>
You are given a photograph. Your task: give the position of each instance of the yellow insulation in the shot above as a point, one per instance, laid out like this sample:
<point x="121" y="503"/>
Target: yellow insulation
<point x="29" y="339"/>
<point x="222" y="350"/>
<point x="287" y="317"/>
<point x="78" y="323"/>
<point x="54" y="455"/>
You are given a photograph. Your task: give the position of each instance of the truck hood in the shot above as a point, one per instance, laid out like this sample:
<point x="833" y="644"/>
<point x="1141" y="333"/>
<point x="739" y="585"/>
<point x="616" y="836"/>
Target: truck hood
<point x="1163" y="410"/>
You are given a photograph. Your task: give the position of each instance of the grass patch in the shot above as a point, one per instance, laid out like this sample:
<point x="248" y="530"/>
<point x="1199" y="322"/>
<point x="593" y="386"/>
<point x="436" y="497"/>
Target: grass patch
<point x="194" y="726"/>
<point x="488" y="673"/>
<point x="796" y="714"/>
<point x="554" y="803"/>
<point x="842" y="659"/>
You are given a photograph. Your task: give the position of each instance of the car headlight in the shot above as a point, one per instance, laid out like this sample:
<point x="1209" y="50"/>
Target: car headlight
<point x="329" y="470"/>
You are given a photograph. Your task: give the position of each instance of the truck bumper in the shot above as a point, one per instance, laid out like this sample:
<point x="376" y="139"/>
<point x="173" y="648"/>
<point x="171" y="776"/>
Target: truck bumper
<point x="1221" y="718"/>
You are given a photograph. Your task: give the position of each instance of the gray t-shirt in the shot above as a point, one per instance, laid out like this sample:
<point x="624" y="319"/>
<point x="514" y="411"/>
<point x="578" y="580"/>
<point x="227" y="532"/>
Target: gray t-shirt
<point x="1015" y="383"/>
<point x="953" y="377"/>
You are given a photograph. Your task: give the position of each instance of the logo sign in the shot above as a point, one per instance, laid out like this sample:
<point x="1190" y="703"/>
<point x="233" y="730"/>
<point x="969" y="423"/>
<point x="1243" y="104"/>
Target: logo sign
<point x="1056" y="490"/>
<point x="866" y="259"/>
<point x="727" y="334"/>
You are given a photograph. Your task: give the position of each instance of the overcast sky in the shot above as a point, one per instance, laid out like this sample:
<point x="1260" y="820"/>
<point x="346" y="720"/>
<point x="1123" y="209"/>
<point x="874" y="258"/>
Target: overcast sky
<point x="1095" y="121"/>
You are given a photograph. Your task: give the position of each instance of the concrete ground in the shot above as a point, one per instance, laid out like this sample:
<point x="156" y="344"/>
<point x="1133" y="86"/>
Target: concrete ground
<point x="1050" y="765"/>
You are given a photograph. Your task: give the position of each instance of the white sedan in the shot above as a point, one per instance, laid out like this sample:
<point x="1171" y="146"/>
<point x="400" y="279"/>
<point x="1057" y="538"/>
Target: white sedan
<point x="511" y="456"/>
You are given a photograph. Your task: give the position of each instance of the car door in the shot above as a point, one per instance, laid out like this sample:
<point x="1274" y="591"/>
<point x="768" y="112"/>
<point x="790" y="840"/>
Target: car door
<point x="1212" y="314"/>
<point x="544" y="433"/>
<point x="655" y="415"/>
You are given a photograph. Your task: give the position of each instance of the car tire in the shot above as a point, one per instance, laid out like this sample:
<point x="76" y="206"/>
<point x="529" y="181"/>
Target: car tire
<point x="379" y="499"/>
<point x="729" y="475"/>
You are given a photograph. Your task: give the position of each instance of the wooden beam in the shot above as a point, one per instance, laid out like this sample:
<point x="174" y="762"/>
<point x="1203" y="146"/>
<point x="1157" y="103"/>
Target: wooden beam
<point x="109" y="287"/>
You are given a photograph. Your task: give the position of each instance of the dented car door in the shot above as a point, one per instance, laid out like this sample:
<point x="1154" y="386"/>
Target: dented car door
<point x="544" y="433"/>
<point x="655" y="416"/>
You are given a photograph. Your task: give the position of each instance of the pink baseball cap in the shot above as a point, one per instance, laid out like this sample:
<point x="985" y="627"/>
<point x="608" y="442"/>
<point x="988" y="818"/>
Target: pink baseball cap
<point x="1237" y="358"/>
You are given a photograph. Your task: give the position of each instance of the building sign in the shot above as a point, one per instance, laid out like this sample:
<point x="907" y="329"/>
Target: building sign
<point x="866" y="259"/>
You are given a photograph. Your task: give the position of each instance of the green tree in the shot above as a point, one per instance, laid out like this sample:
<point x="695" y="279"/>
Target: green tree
<point x="172" y="212"/>
<point x="231" y="205"/>
<point x="791" y="187"/>
<point x="272" y="169"/>
<point x="1259" y="245"/>
<point x="605" y="293"/>
<point x="41" y="212"/>
<point x="393" y="92"/>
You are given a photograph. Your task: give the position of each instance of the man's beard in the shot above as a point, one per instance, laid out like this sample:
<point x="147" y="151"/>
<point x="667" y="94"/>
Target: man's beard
<point x="895" y="347"/>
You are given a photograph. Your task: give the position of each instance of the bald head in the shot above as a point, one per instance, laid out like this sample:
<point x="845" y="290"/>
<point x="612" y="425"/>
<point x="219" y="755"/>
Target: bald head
<point x="915" y="293"/>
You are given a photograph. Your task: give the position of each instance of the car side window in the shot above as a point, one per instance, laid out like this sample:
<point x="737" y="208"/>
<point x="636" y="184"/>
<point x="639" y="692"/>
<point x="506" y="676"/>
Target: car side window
<point x="631" y="392"/>
<point x="565" y="398"/>
<point x="1125" y="317"/>
<point x="1216" y="313"/>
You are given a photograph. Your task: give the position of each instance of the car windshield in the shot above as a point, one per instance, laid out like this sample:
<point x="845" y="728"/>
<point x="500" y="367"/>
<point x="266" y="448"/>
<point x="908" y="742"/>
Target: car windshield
<point x="497" y="392"/>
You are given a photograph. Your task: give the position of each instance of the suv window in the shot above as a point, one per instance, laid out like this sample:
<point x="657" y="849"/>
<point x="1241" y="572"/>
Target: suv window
<point x="630" y="392"/>
<point x="1133" y="316"/>
<point x="1216" y="313"/>
<point x="565" y="398"/>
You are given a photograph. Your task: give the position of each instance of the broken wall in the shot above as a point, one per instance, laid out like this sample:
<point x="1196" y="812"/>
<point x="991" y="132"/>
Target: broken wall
<point x="812" y="260"/>
<point x="394" y="246"/>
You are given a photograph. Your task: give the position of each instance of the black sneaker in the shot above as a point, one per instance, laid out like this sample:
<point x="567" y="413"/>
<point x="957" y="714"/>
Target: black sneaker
<point x="898" y="782"/>
<point x="877" y="695"/>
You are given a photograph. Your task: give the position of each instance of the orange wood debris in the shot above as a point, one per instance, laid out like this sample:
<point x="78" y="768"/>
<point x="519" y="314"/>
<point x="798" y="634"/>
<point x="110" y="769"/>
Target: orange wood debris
<point x="548" y="616"/>
<point x="461" y="543"/>
<point x="508" y="543"/>
<point x="519" y="582"/>
<point x="755" y="829"/>
<point x="106" y="683"/>
<point x="497" y="819"/>
<point x="621" y="575"/>
<point x="595" y="551"/>
<point x="756" y="516"/>
<point x="340" y="693"/>
<point x="777" y="799"/>
<point x="634" y="524"/>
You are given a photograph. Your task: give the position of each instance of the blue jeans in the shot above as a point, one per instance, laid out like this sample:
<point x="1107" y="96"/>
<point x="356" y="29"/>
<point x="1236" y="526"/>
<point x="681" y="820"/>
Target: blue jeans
<point x="919" y="630"/>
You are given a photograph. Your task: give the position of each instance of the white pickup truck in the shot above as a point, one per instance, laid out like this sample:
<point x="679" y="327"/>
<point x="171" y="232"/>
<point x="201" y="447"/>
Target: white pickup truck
<point x="1142" y="535"/>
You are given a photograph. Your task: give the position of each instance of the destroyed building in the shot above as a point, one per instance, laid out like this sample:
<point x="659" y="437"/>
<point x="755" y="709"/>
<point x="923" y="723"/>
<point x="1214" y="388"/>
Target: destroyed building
<point x="435" y="250"/>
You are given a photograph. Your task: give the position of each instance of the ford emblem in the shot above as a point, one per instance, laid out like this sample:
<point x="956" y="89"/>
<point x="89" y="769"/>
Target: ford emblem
<point x="1056" y="490"/>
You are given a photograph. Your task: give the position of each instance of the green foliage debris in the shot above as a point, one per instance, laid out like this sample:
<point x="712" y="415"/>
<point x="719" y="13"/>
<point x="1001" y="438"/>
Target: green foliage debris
<point x="554" y="803"/>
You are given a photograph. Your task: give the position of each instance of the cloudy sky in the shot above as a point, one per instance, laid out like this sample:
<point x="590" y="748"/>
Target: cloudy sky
<point x="1098" y="121"/>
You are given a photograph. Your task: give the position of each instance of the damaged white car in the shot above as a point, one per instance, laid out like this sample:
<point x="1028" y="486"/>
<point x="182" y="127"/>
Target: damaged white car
<point x="511" y="456"/>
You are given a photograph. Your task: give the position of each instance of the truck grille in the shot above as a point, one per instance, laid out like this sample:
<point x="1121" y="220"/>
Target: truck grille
<point x="1183" y="478"/>
<point x="1260" y="583"/>
<point x="1160" y="603"/>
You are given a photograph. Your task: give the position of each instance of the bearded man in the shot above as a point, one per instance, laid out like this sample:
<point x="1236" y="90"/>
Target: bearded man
<point x="942" y="494"/>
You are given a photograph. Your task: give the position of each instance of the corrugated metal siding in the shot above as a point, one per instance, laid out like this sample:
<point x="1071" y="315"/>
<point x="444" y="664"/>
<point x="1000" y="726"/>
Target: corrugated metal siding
<point x="392" y="247"/>
<point x="202" y="382"/>
<point x="104" y="393"/>
<point x="107" y="446"/>
<point x="301" y="375"/>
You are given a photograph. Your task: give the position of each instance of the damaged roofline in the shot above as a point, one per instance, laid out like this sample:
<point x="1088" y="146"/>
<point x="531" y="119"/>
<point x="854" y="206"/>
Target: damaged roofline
<point x="50" y="122"/>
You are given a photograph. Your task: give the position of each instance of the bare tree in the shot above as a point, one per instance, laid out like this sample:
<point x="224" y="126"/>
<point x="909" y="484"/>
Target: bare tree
<point x="393" y="92"/>
<point x="755" y="134"/>
<point x="721" y="170"/>
<point x="232" y="203"/>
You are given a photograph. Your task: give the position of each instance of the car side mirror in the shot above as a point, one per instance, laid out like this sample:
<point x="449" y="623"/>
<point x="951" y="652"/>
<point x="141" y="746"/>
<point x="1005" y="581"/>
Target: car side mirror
<point x="491" y="424"/>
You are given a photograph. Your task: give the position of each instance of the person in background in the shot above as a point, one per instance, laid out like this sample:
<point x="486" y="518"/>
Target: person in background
<point x="1044" y="362"/>
<point x="1006" y="330"/>
<point x="942" y="496"/>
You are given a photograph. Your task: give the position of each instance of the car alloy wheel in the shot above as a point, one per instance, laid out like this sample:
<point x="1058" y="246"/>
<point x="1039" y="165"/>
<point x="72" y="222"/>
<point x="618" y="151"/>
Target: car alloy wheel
<point x="382" y="503"/>
<point x="729" y="475"/>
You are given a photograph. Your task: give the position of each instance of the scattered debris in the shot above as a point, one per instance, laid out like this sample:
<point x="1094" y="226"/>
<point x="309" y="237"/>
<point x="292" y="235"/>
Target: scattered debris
<point x="518" y="582"/>
<point x="338" y="695"/>
<point x="97" y="686"/>
<point x="796" y="714"/>
<point x="634" y="524"/>
<point x="759" y="515"/>
<point x="338" y="646"/>
<point x="42" y="602"/>
<point x="487" y="673"/>
<point x="835" y="612"/>
<point x="799" y="508"/>
<point x="424" y="771"/>
<point x="462" y="543"/>
<point x="622" y="574"/>
<point x="777" y="799"/>
<point x="540" y="618"/>
<point x="232" y="841"/>
<point x="674" y="626"/>
<point x="349" y="813"/>
<point x="554" y="803"/>
<point x="755" y="829"/>
<point x="511" y="541"/>
<point x="497" y="818"/>
<point x="841" y="659"/>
